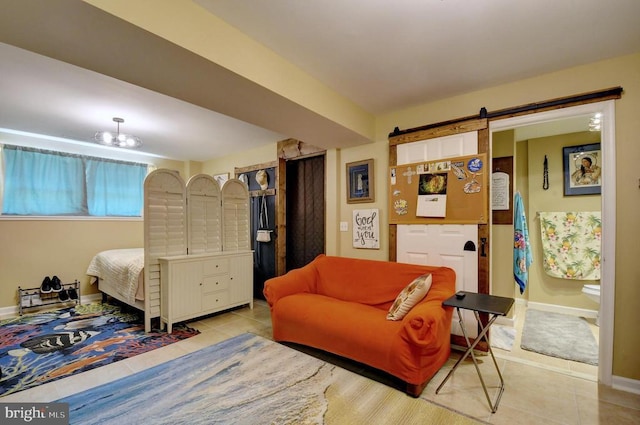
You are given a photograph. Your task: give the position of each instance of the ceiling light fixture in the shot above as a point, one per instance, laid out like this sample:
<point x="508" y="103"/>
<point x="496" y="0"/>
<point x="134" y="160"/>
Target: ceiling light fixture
<point x="595" y="122"/>
<point x="119" y="140"/>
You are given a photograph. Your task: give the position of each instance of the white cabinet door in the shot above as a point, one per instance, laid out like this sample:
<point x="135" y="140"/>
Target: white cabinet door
<point x="241" y="278"/>
<point x="186" y="289"/>
<point x="436" y="244"/>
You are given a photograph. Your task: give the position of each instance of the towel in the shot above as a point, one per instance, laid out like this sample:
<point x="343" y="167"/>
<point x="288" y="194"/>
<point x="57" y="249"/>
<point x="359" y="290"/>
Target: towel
<point x="571" y="244"/>
<point x="522" y="257"/>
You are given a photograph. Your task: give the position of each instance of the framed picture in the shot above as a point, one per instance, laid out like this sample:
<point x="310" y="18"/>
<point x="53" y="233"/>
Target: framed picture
<point x="582" y="169"/>
<point x="221" y="178"/>
<point x="360" y="182"/>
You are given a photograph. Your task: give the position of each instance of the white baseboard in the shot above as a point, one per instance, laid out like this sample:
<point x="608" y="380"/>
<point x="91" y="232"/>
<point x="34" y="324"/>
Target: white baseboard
<point x="13" y="311"/>
<point x="572" y="311"/>
<point x="625" y="384"/>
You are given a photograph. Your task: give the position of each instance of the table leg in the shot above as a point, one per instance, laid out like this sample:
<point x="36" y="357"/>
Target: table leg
<point x="469" y="351"/>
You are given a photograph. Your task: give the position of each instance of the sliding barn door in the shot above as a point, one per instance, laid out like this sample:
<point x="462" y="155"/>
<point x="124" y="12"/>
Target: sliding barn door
<point x="442" y="244"/>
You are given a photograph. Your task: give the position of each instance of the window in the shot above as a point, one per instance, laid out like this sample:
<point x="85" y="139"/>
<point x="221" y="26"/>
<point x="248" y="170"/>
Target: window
<point x="47" y="183"/>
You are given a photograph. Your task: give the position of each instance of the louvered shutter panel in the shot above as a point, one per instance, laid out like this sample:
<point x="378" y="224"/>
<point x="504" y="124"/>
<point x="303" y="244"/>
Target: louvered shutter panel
<point x="235" y="216"/>
<point x="204" y="215"/>
<point x="165" y="231"/>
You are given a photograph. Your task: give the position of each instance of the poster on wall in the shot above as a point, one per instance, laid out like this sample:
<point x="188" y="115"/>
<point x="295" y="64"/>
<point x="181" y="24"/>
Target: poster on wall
<point x="366" y="229"/>
<point x="432" y="195"/>
<point x="582" y="172"/>
<point x="500" y="191"/>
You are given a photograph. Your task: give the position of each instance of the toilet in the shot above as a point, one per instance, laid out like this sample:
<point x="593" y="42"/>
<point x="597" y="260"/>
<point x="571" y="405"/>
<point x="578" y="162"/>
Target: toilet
<point x="593" y="293"/>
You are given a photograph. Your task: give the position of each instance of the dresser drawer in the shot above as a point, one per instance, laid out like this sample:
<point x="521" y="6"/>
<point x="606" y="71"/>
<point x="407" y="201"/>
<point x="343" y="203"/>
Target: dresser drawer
<point x="215" y="266"/>
<point x="215" y="283"/>
<point x="214" y="300"/>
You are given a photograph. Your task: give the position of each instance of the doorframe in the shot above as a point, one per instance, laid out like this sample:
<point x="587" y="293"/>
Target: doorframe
<point x="608" y="208"/>
<point x="288" y="150"/>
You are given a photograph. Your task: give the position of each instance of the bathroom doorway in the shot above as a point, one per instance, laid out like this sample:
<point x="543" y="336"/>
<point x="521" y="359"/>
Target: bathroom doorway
<point x="545" y="121"/>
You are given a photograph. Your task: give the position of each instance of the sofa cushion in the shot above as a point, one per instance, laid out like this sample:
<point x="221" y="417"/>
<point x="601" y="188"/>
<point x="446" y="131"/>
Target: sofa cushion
<point x="410" y="296"/>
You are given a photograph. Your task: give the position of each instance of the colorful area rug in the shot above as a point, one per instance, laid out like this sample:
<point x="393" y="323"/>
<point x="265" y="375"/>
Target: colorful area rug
<point x="246" y="380"/>
<point x="559" y="335"/>
<point x="43" y="347"/>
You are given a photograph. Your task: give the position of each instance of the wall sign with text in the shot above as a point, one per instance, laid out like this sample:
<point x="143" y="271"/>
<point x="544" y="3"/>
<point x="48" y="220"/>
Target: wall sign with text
<point x="366" y="228"/>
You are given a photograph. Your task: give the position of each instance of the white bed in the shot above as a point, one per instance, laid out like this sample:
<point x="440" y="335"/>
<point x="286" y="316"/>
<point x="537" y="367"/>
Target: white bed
<point x="120" y="274"/>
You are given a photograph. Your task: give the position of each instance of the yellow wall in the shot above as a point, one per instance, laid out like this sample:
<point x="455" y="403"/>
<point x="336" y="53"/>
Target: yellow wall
<point x="528" y="180"/>
<point x="31" y="249"/>
<point x="542" y="287"/>
<point x="502" y="283"/>
<point x="379" y="152"/>
<point x="266" y="153"/>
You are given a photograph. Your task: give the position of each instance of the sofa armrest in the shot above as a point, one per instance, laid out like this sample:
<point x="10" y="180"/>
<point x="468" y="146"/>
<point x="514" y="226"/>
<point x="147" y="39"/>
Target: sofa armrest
<point x="302" y="280"/>
<point x="428" y="323"/>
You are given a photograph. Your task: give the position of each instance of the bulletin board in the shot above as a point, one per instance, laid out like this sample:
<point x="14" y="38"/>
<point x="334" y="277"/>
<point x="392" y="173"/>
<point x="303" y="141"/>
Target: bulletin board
<point x="451" y="191"/>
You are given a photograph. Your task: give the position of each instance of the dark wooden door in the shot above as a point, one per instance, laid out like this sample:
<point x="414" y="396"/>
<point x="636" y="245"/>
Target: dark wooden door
<point x="305" y="210"/>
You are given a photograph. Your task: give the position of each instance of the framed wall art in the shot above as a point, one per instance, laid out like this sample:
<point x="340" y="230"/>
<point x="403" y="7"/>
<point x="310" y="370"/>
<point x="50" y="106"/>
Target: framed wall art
<point x="360" y="188"/>
<point x="582" y="169"/>
<point x="221" y="178"/>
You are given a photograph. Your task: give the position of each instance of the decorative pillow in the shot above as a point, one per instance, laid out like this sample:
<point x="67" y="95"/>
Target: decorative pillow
<point x="410" y="296"/>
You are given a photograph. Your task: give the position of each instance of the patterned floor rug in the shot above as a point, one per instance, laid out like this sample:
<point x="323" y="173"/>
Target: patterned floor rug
<point x="247" y="380"/>
<point x="43" y="347"/>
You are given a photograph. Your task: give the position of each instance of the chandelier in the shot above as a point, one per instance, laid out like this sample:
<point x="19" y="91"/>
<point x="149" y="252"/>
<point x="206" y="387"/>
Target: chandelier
<point x="117" y="139"/>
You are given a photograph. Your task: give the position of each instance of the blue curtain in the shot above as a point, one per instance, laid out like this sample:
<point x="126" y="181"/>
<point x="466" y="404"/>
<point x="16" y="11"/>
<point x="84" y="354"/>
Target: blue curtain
<point x="39" y="183"/>
<point x="115" y="188"/>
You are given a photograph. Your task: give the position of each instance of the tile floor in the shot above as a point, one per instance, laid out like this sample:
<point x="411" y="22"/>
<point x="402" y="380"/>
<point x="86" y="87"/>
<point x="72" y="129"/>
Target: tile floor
<point x="539" y="390"/>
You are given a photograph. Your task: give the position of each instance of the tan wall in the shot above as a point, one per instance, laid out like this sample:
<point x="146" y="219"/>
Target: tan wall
<point x="379" y="152"/>
<point x="266" y="153"/>
<point x="31" y="249"/>
<point x="529" y="158"/>
<point x="543" y="288"/>
<point x="337" y="242"/>
<point x="502" y="283"/>
<point x="622" y="71"/>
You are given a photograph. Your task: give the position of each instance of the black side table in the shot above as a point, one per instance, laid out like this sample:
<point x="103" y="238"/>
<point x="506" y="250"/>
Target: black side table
<point x="479" y="303"/>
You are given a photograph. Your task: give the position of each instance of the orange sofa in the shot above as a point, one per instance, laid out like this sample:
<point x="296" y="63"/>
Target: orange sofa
<point x="340" y="305"/>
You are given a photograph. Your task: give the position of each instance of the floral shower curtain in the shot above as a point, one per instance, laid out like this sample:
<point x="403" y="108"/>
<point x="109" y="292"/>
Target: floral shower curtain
<point x="571" y="244"/>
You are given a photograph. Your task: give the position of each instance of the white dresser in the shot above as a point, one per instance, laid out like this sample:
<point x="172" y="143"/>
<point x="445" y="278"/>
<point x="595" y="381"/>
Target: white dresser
<point x="201" y="284"/>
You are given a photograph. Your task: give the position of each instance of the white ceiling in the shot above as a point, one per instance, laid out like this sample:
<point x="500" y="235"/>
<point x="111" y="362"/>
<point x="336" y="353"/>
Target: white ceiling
<point x="387" y="55"/>
<point x="382" y="55"/>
